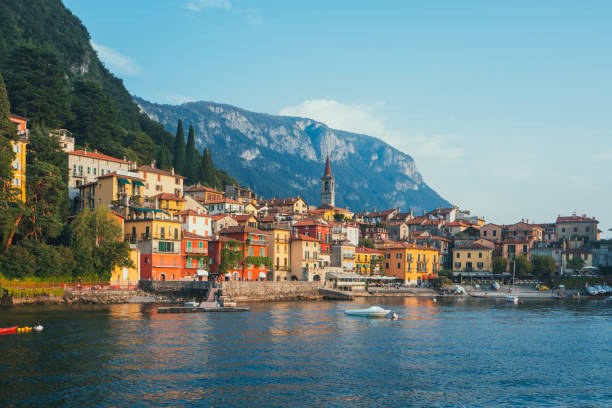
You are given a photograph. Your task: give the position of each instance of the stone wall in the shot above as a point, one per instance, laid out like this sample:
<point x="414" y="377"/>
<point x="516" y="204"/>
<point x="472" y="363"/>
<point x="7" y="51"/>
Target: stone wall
<point x="187" y="288"/>
<point x="271" y="291"/>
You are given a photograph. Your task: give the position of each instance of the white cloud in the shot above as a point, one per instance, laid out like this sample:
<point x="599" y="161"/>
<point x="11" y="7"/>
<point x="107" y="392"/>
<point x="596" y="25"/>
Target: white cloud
<point x="363" y="119"/>
<point x="115" y="61"/>
<point x="253" y="17"/>
<point x="198" y="5"/>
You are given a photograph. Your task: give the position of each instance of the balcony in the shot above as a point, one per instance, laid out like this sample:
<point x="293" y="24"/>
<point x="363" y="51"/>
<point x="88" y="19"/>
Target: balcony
<point x="190" y="250"/>
<point x="348" y="256"/>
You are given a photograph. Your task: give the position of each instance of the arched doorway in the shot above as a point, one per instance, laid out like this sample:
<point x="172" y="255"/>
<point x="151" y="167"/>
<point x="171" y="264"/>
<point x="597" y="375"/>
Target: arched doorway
<point x="316" y="278"/>
<point x="294" y="278"/>
<point x="278" y="278"/>
<point x="162" y="276"/>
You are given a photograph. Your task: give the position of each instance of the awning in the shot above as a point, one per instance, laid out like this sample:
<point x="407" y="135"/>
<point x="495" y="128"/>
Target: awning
<point x="228" y="275"/>
<point x="262" y="275"/>
<point x="201" y="272"/>
<point x="155" y="210"/>
<point x="138" y="183"/>
<point x="123" y="181"/>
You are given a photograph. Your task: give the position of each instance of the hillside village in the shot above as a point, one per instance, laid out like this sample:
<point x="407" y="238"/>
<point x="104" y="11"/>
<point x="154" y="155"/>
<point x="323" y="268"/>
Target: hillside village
<point x="195" y="232"/>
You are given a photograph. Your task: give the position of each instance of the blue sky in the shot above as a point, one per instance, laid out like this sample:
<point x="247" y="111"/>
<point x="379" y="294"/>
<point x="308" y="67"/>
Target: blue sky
<point x="506" y="106"/>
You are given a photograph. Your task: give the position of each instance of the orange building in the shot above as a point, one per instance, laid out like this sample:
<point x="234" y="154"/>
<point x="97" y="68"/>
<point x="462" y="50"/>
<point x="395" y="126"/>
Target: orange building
<point x="411" y="263"/>
<point x="194" y="251"/>
<point x="254" y="244"/>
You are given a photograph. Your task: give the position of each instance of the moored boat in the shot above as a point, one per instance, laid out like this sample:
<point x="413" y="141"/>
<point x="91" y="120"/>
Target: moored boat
<point x="374" y="311"/>
<point x="8" y="330"/>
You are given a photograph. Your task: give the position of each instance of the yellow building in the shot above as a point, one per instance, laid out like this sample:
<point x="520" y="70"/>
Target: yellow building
<point x="293" y="205"/>
<point x="474" y="258"/>
<point x="19" y="162"/>
<point x="159" y="181"/>
<point x="278" y="250"/>
<point x="368" y="261"/>
<point x="168" y="202"/>
<point x="123" y="189"/>
<point x="127" y="276"/>
<point x="306" y="262"/>
<point x="411" y="263"/>
<point x="322" y="213"/>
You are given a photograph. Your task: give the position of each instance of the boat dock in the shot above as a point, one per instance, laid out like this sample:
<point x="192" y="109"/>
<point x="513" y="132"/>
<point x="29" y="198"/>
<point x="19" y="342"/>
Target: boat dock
<point x="183" y="309"/>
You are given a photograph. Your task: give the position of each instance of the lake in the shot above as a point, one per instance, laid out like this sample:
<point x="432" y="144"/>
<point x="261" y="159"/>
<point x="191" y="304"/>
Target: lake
<point x="456" y="352"/>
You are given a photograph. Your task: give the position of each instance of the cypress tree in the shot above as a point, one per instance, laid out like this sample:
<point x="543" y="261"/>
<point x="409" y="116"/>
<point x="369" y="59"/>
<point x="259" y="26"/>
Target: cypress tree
<point x="6" y="127"/>
<point x="211" y="170"/>
<point x="164" y="161"/>
<point x="179" y="149"/>
<point x="190" y="171"/>
<point x="204" y="167"/>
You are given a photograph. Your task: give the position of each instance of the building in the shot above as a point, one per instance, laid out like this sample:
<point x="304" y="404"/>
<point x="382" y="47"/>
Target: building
<point x="555" y="251"/>
<point x="338" y="212"/>
<point x="223" y="206"/>
<point x="278" y="249"/>
<point x="203" y="193"/>
<point x="292" y="205"/>
<point x="197" y="223"/>
<point x="194" y="254"/>
<point x="158" y="236"/>
<point x="19" y="161"/>
<point x="64" y="138"/>
<point x="398" y="231"/>
<point x="116" y="189"/>
<point x="241" y="194"/>
<point x="474" y="259"/>
<point x="522" y="229"/>
<point x="246" y="219"/>
<point x="577" y="226"/>
<point x="125" y="276"/>
<point x="512" y="247"/>
<point x="222" y="221"/>
<point x="317" y="229"/>
<point x="167" y="201"/>
<point x="328" y="186"/>
<point x="306" y="262"/>
<point x="256" y="262"/>
<point x="411" y="263"/>
<point x="159" y="181"/>
<point x="374" y="231"/>
<point x="377" y="217"/>
<point x="368" y="261"/>
<point x="442" y="244"/>
<point x="345" y="231"/>
<point x="492" y="232"/>
<point x="84" y="167"/>
<point x="343" y="256"/>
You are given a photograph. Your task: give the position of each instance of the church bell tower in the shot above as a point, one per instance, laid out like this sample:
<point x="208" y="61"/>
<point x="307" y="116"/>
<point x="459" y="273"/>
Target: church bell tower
<point x="328" y="185"/>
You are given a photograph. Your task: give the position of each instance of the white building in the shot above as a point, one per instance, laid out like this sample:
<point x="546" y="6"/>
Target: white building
<point x="346" y="232"/>
<point x="84" y="167"/>
<point x="224" y="206"/>
<point x="197" y="223"/>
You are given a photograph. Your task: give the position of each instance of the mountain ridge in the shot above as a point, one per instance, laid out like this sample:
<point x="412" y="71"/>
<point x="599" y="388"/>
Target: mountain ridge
<point x="281" y="156"/>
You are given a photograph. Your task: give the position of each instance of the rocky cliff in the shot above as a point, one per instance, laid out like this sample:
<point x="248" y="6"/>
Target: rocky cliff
<point x="281" y="156"/>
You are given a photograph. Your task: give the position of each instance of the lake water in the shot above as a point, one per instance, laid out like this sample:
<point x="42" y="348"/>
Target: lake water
<point x="472" y="353"/>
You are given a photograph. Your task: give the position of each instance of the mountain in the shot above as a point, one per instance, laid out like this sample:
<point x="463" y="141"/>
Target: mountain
<point x="280" y="156"/>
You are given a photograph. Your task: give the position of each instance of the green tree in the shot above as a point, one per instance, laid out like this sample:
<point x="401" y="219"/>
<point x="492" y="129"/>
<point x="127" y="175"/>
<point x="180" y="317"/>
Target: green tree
<point x="7" y="129"/>
<point x="37" y="86"/>
<point x="179" y="149"/>
<point x="191" y="157"/>
<point x="140" y="146"/>
<point x="232" y="254"/>
<point x="576" y="263"/>
<point x="543" y="267"/>
<point x="95" y="119"/>
<point x="523" y="266"/>
<point x="366" y="242"/>
<point x="96" y="241"/>
<point x="164" y="159"/>
<point x="205" y="173"/>
<point x="500" y="265"/>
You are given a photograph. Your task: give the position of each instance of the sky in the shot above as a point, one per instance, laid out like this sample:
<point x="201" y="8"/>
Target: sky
<point x="505" y="106"/>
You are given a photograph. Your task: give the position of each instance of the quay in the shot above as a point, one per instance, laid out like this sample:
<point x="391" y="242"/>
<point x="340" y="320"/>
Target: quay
<point x="182" y="309"/>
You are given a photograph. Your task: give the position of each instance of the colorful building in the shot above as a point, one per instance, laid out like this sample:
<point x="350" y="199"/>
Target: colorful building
<point x="168" y="202"/>
<point x="475" y="259"/>
<point x="343" y="256"/>
<point x="19" y="161"/>
<point x="194" y="254"/>
<point x="411" y="263"/>
<point x="306" y="262"/>
<point x="203" y="193"/>
<point x="255" y="245"/>
<point x="278" y="249"/>
<point x="368" y="261"/>
<point x="159" y="181"/>
<point x="293" y="205"/>
<point x="577" y="226"/>
<point x="317" y="229"/>
<point x="196" y="222"/>
<point x="112" y="189"/>
<point x="223" y="206"/>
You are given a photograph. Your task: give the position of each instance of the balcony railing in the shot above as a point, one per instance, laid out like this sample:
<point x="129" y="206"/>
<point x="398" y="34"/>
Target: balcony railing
<point x="348" y="256"/>
<point x="196" y="250"/>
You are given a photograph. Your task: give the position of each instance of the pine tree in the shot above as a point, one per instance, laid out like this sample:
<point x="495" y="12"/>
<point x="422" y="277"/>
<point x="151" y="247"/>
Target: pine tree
<point x="191" y="154"/>
<point x="204" y="168"/>
<point x="164" y="161"/>
<point x="7" y="133"/>
<point x="212" y="176"/>
<point x="179" y="149"/>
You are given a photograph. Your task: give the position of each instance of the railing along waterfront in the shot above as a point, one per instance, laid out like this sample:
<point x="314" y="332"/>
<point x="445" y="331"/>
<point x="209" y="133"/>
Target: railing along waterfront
<point x="89" y="285"/>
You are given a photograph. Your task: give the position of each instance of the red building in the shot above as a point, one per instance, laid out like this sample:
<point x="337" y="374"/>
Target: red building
<point x="253" y="246"/>
<point x="317" y="229"/>
<point x="194" y="254"/>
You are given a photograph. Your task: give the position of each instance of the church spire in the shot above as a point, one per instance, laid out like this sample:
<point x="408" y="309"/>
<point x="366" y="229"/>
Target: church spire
<point x="327" y="167"/>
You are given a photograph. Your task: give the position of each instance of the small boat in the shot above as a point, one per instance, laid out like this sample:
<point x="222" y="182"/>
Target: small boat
<point x="495" y="285"/>
<point x="193" y="303"/>
<point x="591" y="290"/>
<point x="8" y="330"/>
<point x="374" y="311"/>
<point x="512" y="299"/>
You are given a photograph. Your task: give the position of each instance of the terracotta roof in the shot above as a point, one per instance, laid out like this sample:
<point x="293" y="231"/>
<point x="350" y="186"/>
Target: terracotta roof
<point x="168" y="196"/>
<point x="377" y="214"/>
<point x="243" y="217"/>
<point x="187" y="234"/>
<point x="478" y="244"/>
<point x="364" y="250"/>
<point x="149" y="169"/>
<point x="441" y="211"/>
<point x="269" y="218"/>
<point x="302" y="237"/>
<point x="310" y="221"/>
<point x="575" y="218"/>
<point x="114" y="174"/>
<point x="197" y="187"/>
<point x="416" y="221"/>
<point x="458" y="223"/>
<point x="96" y="155"/>
<point x="194" y="213"/>
<point x="217" y="217"/>
<point x="241" y="229"/>
<point x="223" y="200"/>
<point x="407" y="245"/>
<point x="276" y="202"/>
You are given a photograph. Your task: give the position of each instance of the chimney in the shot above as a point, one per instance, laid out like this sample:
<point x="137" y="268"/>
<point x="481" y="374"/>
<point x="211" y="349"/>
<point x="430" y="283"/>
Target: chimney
<point x="124" y="157"/>
<point x="95" y="150"/>
<point x="153" y="163"/>
<point x="172" y="170"/>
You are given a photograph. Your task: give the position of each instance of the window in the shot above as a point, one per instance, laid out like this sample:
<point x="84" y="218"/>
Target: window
<point x="387" y="256"/>
<point x="16" y="148"/>
<point x="457" y="265"/>
<point x="494" y="233"/>
<point x="163" y="232"/>
<point x="176" y="233"/>
<point x="480" y="254"/>
<point x="398" y="255"/>
<point x="480" y="265"/>
<point x="387" y="265"/>
<point x="177" y="180"/>
<point x="94" y="171"/>
<point x="16" y="182"/>
<point x="469" y="254"/>
<point x="587" y="229"/>
<point x="80" y="170"/>
<point x="250" y="251"/>
<point x="158" y="188"/>
<point x="562" y="229"/>
<point x="74" y="170"/>
<point x="89" y="170"/>
<point x="575" y="229"/>
<point x="146" y="259"/>
<point x="484" y="233"/>
<point x="166" y="246"/>
<point x="399" y="265"/>
<point x="262" y="252"/>
<point x="158" y="177"/>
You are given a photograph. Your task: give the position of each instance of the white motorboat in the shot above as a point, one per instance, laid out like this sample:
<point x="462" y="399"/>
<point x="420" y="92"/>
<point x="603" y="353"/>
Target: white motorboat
<point x="374" y="311"/>
<point x="193" y="303"/>
<point x="512" y="299"/>
<point x="509" y="297"/>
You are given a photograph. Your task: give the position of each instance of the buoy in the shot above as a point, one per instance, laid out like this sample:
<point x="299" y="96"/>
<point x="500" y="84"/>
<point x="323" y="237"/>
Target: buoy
<point x="38" y="327"/>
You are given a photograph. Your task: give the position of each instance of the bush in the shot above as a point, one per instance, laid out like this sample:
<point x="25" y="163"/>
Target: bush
<point x="23" y="293"/>
<point x="441" y="281"/>
<point x="446" y="272"/>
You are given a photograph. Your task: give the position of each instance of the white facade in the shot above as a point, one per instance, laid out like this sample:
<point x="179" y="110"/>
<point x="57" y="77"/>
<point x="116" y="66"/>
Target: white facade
<point x="345" y="232"/>
<point x="224" y="207"/>
<point x="195" y="223"/>
<point x="84" y="167"/>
